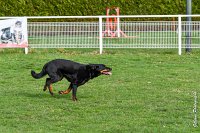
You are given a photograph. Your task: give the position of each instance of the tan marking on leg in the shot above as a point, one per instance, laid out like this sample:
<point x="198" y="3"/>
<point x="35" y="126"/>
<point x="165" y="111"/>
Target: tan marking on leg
<point x="51" y="89"/>
<point x="66" y="91"/>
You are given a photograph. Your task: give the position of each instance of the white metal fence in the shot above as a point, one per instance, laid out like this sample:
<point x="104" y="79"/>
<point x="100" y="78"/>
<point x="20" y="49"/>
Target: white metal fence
<point x="63" y="34"/>
<point x="149" y="31"/>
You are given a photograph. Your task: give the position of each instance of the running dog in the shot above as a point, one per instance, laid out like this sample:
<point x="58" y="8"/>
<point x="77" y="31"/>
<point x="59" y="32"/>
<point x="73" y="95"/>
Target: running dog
<point x="77" y="74"/>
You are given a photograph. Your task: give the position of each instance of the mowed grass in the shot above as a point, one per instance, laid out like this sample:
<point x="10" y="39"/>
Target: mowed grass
<point x="150" y="91"/>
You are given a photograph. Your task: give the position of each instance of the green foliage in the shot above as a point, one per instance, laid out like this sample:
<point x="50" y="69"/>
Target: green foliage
<point x="93" y="7"/>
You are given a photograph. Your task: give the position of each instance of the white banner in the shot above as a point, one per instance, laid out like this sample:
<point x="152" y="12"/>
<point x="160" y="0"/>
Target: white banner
<point x="13" y="33"/>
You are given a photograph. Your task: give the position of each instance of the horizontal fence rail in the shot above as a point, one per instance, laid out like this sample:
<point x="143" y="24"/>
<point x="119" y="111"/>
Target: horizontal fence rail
<point x="132" y="31"/>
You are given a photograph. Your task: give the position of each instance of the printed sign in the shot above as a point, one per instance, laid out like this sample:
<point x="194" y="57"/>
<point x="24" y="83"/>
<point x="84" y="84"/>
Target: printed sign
<point x="13" y="33"/>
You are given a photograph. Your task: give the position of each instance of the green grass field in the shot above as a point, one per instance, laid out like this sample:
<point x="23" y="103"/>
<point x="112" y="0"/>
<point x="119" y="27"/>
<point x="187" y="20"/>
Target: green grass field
<point x="150" y="91"/>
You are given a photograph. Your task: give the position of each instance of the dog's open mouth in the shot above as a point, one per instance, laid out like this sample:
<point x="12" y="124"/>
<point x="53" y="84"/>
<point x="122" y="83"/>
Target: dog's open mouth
<point x="106" y="72"/>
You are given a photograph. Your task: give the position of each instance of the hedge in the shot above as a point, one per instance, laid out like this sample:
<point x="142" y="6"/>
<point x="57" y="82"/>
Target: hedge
<point x="93" y="7"/>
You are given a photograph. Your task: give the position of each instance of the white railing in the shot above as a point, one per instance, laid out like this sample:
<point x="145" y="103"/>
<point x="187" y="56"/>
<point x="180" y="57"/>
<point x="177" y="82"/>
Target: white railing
<point x="132" y="31"/>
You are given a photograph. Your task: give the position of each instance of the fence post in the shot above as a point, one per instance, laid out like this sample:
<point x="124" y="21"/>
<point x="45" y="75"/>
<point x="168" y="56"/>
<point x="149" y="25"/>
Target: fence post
<point x="179" y="35"/>
<point x="188" y="25"/>
<point x="26" y="50"/>
<point x="100" y="35"/>
<point x="118" y="27"/>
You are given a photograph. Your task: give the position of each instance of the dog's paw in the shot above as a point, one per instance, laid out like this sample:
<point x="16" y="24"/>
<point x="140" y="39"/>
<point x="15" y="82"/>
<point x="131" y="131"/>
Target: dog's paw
<point x="74" y="99"/>
<point x="61" y="92"/>
<point x="45" y="88"/>
<point x="51" y="93"/>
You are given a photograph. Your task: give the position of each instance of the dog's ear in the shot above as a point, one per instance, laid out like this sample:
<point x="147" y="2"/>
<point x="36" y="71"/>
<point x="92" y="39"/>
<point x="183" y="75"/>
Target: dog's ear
<point x="90" y="67"/>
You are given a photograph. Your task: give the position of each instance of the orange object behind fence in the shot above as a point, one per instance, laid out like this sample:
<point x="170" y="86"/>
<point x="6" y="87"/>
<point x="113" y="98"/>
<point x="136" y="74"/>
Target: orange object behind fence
<point x="112" y="23"/>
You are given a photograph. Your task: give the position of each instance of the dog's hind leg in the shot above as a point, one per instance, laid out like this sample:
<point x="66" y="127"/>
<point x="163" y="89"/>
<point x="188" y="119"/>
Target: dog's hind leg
<point x="51" y="89"/>
<point x="49" y="86"/>
<point x="53" y="79"/>
<point x="45" y="86"/>
<point x="66" y="91"/>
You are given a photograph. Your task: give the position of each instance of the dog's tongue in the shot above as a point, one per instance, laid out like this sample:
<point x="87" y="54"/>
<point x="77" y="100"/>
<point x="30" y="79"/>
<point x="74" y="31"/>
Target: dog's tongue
<point x="107" y="73"/>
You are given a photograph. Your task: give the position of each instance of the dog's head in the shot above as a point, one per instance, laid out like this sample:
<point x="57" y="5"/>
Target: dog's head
<point x="99" y="69"/>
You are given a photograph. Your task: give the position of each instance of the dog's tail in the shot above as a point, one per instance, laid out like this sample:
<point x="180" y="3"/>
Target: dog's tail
<point x="38" y="75"/>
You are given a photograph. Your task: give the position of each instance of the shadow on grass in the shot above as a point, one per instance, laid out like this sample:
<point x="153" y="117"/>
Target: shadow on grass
<point x="44" y="95"/>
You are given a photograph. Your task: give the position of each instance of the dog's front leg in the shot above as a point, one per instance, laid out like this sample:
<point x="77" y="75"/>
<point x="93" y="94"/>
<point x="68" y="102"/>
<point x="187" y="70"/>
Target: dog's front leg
<point x="74" y="89"/>
<point x="66" y="91"/>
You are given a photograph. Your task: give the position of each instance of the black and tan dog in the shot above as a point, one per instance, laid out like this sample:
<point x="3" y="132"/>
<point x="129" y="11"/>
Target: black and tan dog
<point x="77" y="74"/>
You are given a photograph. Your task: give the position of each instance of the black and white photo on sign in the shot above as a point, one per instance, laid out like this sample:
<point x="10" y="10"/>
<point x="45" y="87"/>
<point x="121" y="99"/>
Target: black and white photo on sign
<point x="13" y="31"/>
